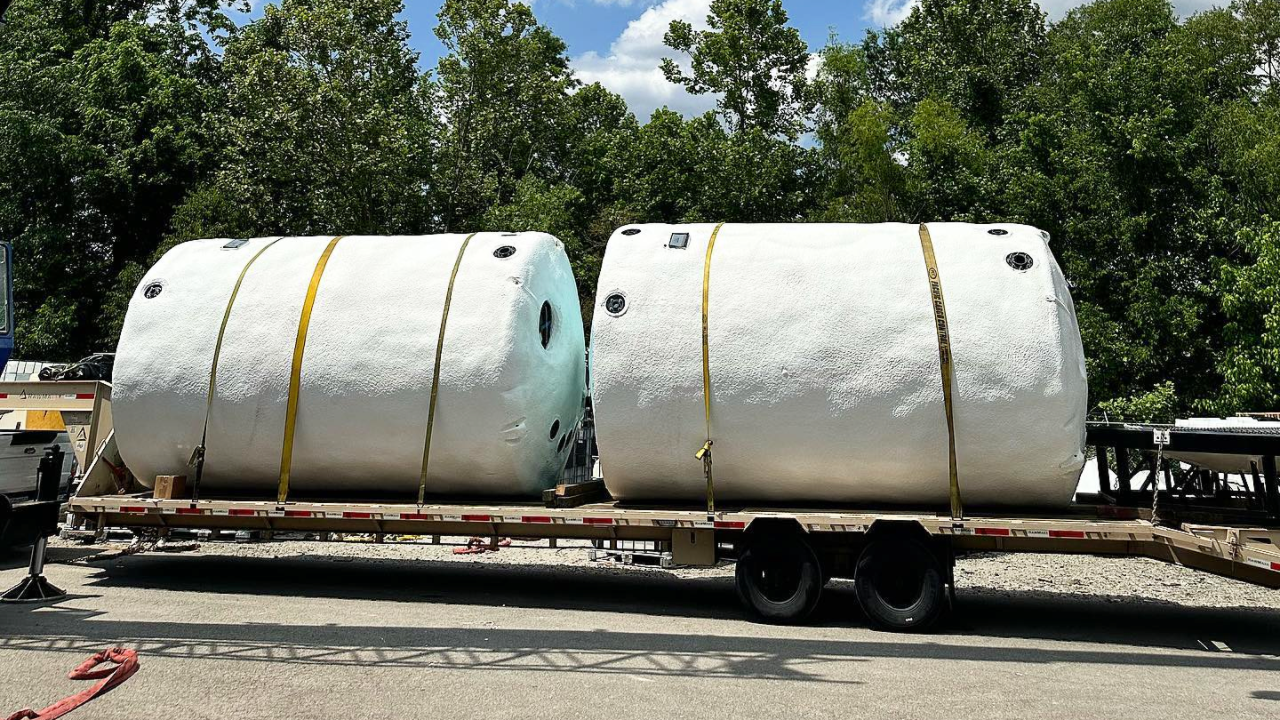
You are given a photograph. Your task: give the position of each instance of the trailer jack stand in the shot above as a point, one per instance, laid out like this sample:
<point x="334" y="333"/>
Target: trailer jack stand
<point x="34" y="587"/>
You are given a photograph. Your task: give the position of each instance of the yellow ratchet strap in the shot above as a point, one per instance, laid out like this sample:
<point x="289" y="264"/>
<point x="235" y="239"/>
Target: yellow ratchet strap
<point x="213" y="370"/>
<point x="295" y="373"/>
<point x="704" y="454"/>
<point x="944" y="357"/>
<point x="435" y="373"/>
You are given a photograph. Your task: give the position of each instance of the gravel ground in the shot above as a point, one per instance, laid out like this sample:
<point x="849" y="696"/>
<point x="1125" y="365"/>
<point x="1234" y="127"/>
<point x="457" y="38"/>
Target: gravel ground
<point x="1123" y="580"/>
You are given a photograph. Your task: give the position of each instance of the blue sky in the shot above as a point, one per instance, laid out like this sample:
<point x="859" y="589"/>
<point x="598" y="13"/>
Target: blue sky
<point x="619" y="42"/>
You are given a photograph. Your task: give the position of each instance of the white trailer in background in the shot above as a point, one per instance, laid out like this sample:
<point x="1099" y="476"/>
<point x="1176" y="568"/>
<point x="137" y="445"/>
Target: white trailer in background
<point x="900" y="561"/>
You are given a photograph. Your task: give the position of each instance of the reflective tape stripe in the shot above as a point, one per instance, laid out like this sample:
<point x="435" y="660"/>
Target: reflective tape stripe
<point x="706" y="370"/>
<point x="435" y="372"/>
<point x="944" y="358"/>
<point x="295" y="373"/>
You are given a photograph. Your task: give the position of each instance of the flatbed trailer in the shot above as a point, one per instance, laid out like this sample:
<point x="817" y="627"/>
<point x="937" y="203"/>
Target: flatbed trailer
<point x="900" y="561"/>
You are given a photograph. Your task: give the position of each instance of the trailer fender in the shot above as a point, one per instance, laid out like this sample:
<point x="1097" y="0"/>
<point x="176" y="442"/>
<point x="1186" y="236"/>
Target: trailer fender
<point x="900" y="528"/>
<point x="764" y="529"/>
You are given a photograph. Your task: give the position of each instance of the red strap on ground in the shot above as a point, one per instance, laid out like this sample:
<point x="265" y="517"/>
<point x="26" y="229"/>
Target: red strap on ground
<point x="126" y="661"/>
<point x="478" y="545"/>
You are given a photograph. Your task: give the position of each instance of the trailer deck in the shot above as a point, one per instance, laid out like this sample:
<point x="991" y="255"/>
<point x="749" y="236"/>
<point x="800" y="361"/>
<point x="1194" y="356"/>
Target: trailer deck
<point x="784" y="555"/>
<point x="1249" y="554"/>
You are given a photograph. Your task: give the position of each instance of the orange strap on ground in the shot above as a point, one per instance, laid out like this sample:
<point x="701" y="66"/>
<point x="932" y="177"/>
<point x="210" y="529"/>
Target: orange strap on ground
<point x="126" y="661"/>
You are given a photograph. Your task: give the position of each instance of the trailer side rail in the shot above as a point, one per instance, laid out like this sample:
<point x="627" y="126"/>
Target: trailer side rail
<point x="1248" y="554"/>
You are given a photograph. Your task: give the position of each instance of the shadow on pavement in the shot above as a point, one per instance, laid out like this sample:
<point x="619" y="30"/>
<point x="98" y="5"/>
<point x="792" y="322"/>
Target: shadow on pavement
<point x="453" y="583"/>
<point x="1153" y="634"/>
<point x="1116" y="620"/>
<point x="559" y="650"/>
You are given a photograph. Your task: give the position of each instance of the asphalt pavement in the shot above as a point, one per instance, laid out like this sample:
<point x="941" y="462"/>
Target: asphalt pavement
<point x="311" y="634"/>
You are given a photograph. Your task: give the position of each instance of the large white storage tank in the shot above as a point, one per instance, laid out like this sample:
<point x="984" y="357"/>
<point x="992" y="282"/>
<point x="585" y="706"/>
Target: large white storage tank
<point x="823" y="364"/>
<point x="510" y="377"/>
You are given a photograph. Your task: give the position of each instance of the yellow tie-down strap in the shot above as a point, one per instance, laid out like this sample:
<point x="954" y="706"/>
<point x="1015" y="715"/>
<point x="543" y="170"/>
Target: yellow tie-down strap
<point x="435" y="373"/>
<point x="944" y="358"/>
<point x="704" y="454"/>
<point x="295" y="373"/>
<point x="222" y="331"/>
<point x="198" y="457"/>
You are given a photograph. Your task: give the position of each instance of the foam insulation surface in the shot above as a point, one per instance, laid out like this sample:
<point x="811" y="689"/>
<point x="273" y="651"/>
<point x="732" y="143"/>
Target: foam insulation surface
<point x="824" y="366"/>
<point x="367" y="369"/>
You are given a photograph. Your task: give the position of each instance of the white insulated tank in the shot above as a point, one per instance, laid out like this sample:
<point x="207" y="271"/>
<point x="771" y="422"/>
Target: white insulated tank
<point x="509" y="389"/>
<point x="824" y="369"/>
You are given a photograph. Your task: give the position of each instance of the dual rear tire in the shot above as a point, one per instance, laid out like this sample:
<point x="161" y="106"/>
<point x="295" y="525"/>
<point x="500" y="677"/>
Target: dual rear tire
<point x="900" y="582"/>
<point x="779" y="581"/>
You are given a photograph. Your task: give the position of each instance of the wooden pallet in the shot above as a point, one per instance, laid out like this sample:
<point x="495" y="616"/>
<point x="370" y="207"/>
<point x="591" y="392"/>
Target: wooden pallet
<point x="575" y="495"/>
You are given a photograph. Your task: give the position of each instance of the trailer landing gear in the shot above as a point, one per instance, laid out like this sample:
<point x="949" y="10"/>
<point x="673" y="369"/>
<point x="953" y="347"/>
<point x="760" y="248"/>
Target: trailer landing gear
<point x="34" y="587"/>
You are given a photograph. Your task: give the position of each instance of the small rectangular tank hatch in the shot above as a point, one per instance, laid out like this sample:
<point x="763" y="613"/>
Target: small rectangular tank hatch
<point x="235" y="244"/>
<point x="678" y="240"/>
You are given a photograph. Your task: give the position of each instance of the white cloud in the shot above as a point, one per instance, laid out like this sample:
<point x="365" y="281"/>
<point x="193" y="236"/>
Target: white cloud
<point x="631" y="67"/>
<point x="886" y="13"/>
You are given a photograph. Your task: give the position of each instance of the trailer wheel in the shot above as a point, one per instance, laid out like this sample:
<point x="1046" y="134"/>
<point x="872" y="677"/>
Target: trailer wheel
<point x="900" y="585"/>
<point x="780" y="580"/>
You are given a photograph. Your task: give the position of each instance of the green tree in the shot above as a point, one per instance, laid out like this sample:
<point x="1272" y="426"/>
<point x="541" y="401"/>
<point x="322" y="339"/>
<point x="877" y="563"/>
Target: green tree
<point x="841" y="85"/>
<point x="502" y="89"/>
<point x="328" y="125"/>
<point x="948" y="167"/>
<point x="863" y="180"/>
<point x="1262" y="28"/>
<point x="1115" y="158"/>
<point x="976" y="55"/>
<point x="104" y="126"/>
<point x="1250" y="359"/>
<point x="752" y="58"/>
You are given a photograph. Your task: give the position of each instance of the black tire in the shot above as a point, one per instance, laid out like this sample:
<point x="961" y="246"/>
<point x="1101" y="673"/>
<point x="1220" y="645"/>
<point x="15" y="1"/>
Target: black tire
<point x="900" y="585"/>
<point x="779" y="580"/>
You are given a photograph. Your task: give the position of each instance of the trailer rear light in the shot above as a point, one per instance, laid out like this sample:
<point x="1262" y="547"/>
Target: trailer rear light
<point x="357" y="515"/>
<point x="298" y="513"/>
<point x="1001" y="532"/>
<point x="414" y="516"/>
<point x="597" y="521"/>
<point x="1078" y="534"/>
<point x="133" y="509"/>
<point x="475" y="518"/>
<point x="544" y="519"/>
<point x="241" y="512"/>
<point x="189" y="511"/>
<point x="84" y="396"/>
<point x="729" y="525"/>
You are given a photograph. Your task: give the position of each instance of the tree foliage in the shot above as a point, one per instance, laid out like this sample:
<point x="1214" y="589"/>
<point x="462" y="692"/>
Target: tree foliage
<point x="751" y="57"/>
<point x="1147" y="145"/>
